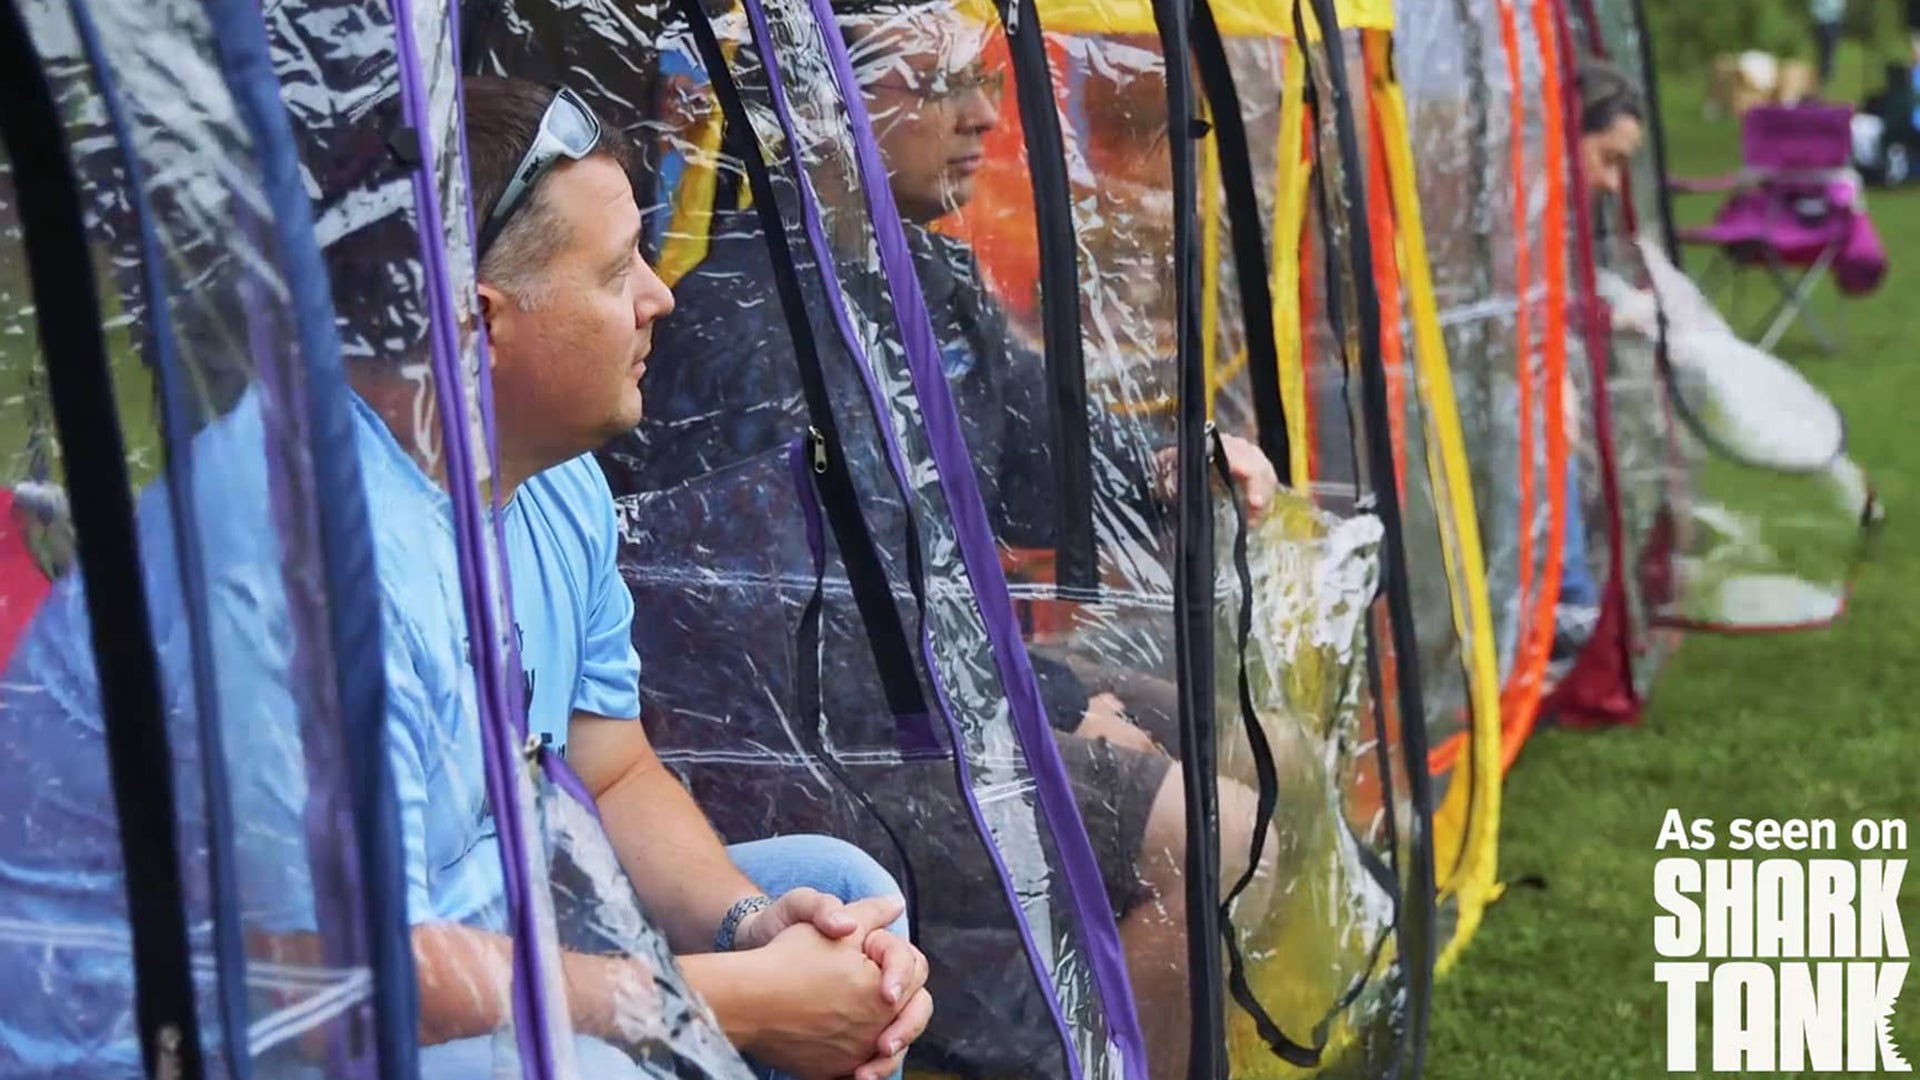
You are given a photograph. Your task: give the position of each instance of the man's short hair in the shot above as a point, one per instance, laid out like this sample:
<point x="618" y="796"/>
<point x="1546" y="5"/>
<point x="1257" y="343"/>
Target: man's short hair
<point x="1606" y="95"/>
<point x="503" y="119"/>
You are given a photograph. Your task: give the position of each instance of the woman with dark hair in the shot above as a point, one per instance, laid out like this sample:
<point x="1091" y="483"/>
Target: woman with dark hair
<point x="1613" y="115"/>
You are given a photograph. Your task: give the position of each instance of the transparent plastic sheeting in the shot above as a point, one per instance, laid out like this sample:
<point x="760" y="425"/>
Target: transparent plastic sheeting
<point x="1337" y="811"/>
<point x="1760" y="548"/>
<point x="1107" y="660"/>
<point x="1761" y="528"/>
<point x="1646" y="462"/>
<point x="238" y="599"/>
<point x="518" y="900"/>
<point x="1486" y="168"/>
<point x="725" y="539"/>
<point x="1312" y="925"/>
<point x="203" y="354"/>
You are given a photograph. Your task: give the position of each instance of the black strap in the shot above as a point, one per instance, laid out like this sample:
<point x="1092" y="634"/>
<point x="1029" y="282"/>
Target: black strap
<point x="872" y="593"/>
<point x="1267" y="794"/>
<point x="808" y="649"/>
<point x="1249" y="239"/>
<point x="1329" y="252"/>
<point x="1418" y="943"/>
<point x="829" y="480"/>
<point x="80" y="385"/>
<point x="1656" y="128"/>
<point x="1076" y="559"/>
<point x="1194" y="572"/>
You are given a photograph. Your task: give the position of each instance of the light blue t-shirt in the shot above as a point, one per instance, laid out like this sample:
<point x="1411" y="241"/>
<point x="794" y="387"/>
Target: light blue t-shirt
<point x="573" y="619"/>
<point x="64" y="967"/>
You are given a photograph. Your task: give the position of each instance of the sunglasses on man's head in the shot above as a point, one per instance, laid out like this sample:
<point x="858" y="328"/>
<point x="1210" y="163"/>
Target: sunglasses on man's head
<point x="567" y="129"/>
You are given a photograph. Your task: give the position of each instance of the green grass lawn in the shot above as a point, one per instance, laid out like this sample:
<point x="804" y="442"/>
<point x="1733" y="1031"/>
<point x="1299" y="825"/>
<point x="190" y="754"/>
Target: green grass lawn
<point x="1559" y="983"/>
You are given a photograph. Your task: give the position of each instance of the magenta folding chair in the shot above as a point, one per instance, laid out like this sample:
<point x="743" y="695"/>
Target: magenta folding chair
<point x="1795" y="205"/>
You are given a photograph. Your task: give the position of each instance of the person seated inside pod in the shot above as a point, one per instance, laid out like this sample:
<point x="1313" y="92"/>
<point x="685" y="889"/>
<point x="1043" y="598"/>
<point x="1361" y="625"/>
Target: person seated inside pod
<point x="1612" y="130"/>
<point x="795" y="942"/>
<point x="723" y="390"/>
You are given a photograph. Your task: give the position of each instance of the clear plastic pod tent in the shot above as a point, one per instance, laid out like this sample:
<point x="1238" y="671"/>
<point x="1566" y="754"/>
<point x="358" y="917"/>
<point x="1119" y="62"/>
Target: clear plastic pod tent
<point x="200" y="881"/>
<point x="1314" y="978"/>
<point x="380" y="116"/>
<point x="250" y="910"/>
<point x="1770" y="521"/>
<point x="1320" y="203"/>
<point x="1488" y="141"/>
<point x="1446" y="564"/>
<point x="828" y="642"/>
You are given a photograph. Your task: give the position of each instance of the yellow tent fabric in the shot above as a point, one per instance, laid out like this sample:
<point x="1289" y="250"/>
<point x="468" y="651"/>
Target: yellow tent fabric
<point x="689" y="229"/>
<point x="1290" y="217"/>
<point x="1236" y="18"/>
<point x="1466" y="823"/>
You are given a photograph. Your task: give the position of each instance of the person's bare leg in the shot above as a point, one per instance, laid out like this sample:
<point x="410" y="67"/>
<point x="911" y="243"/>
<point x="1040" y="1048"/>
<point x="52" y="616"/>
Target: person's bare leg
<point x="1154" y="933"/>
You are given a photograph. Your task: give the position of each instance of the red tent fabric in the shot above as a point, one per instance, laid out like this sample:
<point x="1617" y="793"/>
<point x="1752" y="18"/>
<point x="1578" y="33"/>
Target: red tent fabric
<point x="23" y="584"/>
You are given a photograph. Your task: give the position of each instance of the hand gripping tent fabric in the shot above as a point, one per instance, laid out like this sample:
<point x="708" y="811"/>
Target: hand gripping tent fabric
<point x="1346" y="411"/>
<point x="826" y="635"/>
<point x="1322" y="956"/>
<point x="215" y="878"/>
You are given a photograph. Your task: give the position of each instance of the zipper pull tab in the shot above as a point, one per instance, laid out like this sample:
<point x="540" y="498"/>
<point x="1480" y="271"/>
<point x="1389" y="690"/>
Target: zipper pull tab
<point x="818" y="445"/>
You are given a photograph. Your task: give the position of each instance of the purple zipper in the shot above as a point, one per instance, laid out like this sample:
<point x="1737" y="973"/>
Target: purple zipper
<point x="954" y="467"/>
<point x="499" y="729"/>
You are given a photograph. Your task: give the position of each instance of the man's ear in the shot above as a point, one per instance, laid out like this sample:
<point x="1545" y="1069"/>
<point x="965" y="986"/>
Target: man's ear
<point x="494" y="306"/>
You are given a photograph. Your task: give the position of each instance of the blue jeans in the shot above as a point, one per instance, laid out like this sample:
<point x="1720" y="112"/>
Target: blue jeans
<point x="1577" y="587"/>
<point x="834" y="867"/>
<point x="778" y="865"/>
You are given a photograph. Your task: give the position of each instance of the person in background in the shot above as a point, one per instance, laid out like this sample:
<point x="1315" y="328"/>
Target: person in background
<point x="1827" y="18"/>
<point x="1613" y="117"/>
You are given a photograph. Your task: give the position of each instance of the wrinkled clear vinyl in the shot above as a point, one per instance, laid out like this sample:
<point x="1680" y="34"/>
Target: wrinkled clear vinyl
<point x="512" y="846"/>
<point x="1651" y="461"/>
<point x="726" y="543"/>
<point x="206" y="372"/>
<point x="1309" y="931"/>
<point x="1762" y="519"/>
<point x="1495" y="297"/>
<point x="1318" y="925"/>
<point x="1106" y="659"/>
<point x="1772" y="527"/>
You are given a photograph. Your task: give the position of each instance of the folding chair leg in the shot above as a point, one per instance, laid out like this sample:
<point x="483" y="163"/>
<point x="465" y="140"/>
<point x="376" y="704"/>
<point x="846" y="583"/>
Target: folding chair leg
<point x="1794" y="301"/>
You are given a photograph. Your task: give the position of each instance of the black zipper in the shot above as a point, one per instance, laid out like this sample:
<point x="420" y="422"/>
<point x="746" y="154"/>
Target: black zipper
<point x="887" y="635"/>
<point x="1418" y="946"/>
<point x="1251" y="274"/>
<point x="1194" y="569"/>
<point x="1076" y="558"/>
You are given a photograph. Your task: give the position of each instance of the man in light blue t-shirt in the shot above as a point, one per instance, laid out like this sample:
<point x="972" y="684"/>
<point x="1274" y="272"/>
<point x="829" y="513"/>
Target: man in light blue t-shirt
<point x="802" y="983"/>
<point x="796" y="943"/>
